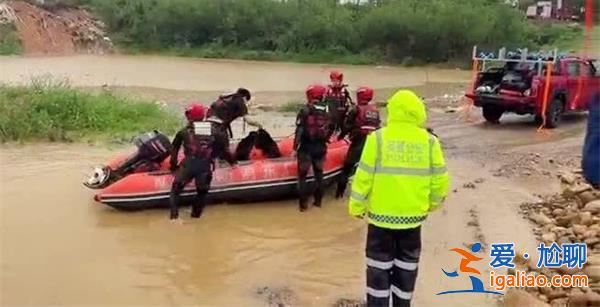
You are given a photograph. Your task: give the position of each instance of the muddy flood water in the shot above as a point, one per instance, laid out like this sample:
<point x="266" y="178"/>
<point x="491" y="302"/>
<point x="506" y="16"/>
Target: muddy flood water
<point x="58" y="247"/>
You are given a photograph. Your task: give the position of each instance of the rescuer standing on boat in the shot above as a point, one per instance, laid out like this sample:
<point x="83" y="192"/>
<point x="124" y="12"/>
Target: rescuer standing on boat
<point x="230" y="107"/>
<point x="338" y="98"/>
<point x="401" y="177"/>
<point x="314" y="127"/>
<point x="202" y="142"/>
<point x="361" y="120"/>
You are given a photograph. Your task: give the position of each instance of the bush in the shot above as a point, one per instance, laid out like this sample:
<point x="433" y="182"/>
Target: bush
<point x="551" y="35"/>
<point x="55" y="112"/>
<point x="9" y="41"/>
<point x="436" y="30"/>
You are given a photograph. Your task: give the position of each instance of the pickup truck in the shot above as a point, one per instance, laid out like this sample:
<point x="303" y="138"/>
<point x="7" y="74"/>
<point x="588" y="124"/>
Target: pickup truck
<point x="519" y="88"/>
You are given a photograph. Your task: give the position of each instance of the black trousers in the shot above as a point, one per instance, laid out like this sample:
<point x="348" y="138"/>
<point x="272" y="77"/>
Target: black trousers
<point x="352" y="158"/>
<point x="392" y="259"/>
<point x="224" y="130"/>
<point x="308" y="157"/>
<point x="191" y="169"/>
<point x="338" y="115"/>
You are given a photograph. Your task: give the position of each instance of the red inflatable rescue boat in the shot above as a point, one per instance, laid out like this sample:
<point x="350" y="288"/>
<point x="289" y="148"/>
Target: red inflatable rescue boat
<point x="254" y="180"/>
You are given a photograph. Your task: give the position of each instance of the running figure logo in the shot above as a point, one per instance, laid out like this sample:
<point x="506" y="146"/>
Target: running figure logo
<point x="468" y="257"/>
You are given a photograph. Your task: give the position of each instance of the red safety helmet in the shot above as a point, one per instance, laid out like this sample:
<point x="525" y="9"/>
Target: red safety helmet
<point x="315" y="92"/>
<point x="364" y="94"/>
<point x="336" y="76"/>
<point x="195" y="112"/>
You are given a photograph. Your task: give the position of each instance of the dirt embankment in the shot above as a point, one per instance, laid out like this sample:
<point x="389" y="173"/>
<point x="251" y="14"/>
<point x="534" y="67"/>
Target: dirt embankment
<point x="61" y="31"/>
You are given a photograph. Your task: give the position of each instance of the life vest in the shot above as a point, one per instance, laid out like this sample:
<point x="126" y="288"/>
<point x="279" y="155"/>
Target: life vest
<point x="339" y="96"/>
<point x="317" y="122"/>
<point x="221" y="110"/>
<point x="367" y="119"/>
<point x="201" y="140"/>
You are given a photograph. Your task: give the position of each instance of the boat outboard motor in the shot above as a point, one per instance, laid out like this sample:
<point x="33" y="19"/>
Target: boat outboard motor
<point x="152" y="148"/>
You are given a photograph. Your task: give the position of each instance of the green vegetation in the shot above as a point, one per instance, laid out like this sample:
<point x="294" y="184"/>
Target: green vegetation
<point x="569" y="38"/>
<point x="48" y="110"/>
<point x="409" y="32"/>
<point x="291" y="107"/>
<point x="406" y="32"/>
<point x="58" y="4"/>
<point x="9" y="41"/>
<point x="562" y="36"/>
<point x="215" y="51"/>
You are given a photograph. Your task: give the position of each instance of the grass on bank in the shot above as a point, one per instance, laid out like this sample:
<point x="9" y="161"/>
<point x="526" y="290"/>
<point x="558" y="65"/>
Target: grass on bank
<point x="56" y="112"/>
<point x="291" y="107"/>
<point x="9" y="40"/>
<point x="215" y="51"/>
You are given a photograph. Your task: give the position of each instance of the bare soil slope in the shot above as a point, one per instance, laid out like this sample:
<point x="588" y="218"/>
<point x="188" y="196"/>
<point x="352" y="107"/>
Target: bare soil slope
<point x="60" y="32"/>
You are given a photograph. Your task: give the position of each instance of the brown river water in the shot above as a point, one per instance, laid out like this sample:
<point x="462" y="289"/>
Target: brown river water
<point x="210" y="75"/>
<point x="58" y="247"/>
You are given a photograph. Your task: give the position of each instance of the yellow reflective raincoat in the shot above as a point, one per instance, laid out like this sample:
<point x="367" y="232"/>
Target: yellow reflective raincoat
<point x="402" y="174"/>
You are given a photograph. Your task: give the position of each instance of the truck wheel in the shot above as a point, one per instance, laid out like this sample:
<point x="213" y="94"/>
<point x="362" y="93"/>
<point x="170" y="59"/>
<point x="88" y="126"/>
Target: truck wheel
<point x="554" y="113"/>
<point x="492" y="114"/>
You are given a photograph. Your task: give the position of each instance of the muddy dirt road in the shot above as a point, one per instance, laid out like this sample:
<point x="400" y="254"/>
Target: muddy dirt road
<point x="58" y="247"/>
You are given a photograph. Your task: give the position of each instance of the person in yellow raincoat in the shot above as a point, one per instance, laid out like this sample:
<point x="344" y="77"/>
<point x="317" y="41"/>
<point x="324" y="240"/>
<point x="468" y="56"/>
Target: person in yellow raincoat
<point x="401" y="177"/>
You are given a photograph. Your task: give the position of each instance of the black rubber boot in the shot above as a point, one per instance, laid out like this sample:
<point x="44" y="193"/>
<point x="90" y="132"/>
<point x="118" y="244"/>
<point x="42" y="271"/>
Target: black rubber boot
<point x="197" y="211"/>
<point x="303" y="204"/>
<point x="341" y="188"/>
<point x="318" y="198"/>
<point x="174" y="202"/>
<point x="198" y="206"/>
<point x="196" y="214"/>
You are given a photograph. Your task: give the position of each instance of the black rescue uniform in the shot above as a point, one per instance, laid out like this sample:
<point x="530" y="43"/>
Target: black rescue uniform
<point x="314" y="127"/>
<point x="361" y="120"/>
<point x="339" y="101"/>
<point x="227" y="109"/>
<point x="202" y="143"/>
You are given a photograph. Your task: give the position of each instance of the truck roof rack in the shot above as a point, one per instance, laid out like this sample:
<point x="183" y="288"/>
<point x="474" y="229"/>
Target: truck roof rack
<point x="520" y="55"/>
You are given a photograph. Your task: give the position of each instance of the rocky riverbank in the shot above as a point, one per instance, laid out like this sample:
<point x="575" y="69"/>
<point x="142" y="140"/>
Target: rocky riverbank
<point x="570" y="217"/>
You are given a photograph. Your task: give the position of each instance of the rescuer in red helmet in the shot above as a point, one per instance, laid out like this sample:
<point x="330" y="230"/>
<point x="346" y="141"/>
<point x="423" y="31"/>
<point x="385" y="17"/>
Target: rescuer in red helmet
<point x="362" y="119"/>
<point x="338" y="98"/>
<point x="202" y="142"/>
<point x="314" y="127"/>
